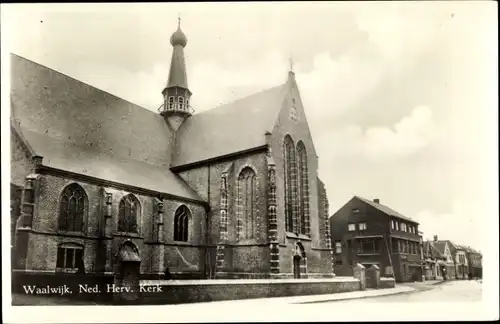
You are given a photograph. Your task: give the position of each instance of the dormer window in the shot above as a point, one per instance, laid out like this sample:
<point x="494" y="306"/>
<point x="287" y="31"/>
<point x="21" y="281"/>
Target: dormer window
<point x="181" y="103"/>
<point x="170" y="103"/>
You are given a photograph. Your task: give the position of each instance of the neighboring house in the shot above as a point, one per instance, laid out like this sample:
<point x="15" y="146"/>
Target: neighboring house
<point x="448" y="267"/>
<point x="231" y="192"/>
<point x="474" y="259"/>
<point x="367" y="232"/>
<point x="433" y="261"/>
<point x="460" y="259"/>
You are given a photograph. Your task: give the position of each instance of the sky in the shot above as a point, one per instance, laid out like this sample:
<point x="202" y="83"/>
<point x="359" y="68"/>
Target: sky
<point x="401" y="97"/>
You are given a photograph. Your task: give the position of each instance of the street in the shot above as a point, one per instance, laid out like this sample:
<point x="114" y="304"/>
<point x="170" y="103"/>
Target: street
<point x="452" y="291"/>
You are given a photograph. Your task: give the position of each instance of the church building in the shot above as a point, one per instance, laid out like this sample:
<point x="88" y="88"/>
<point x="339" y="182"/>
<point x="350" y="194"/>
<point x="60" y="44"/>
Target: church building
<point x="104" y="187"/>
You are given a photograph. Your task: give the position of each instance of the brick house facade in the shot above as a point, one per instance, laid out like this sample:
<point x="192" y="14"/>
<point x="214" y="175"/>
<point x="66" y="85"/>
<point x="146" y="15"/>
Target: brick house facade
<point x="369" y="233"/>
<point x="104" y="183"/>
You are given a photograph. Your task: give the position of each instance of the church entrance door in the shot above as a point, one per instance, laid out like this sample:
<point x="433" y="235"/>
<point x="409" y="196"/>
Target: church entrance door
<point x="296" y="266"/>
<point x="127" y="277"/>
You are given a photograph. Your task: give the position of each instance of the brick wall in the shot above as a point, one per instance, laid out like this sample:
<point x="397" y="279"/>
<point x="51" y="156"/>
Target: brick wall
<point x="247" y="255"/>
<point x="192" y="293"/>
<point x="45" y="237"/>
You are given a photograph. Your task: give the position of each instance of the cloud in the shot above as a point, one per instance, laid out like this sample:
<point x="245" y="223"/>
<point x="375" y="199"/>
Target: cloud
<point x="408" y="136"/>
<point x="463" y="224"/>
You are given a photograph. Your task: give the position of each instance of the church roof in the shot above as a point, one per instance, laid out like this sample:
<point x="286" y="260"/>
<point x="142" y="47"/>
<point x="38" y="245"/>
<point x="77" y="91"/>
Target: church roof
<point x="234" y="127"/>
<point x="79" y="128"/>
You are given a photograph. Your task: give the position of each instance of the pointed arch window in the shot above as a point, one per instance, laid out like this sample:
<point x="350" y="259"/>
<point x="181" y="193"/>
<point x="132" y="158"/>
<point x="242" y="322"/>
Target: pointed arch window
<point x="181" y="224"/>
<point x="72" y="208"/>
<point x="290" y="168"/>
<point x="303" y="188"/>
<point x="181" y="103"/>
<point x="245" y="204"/>
<point x="128" y="214"/>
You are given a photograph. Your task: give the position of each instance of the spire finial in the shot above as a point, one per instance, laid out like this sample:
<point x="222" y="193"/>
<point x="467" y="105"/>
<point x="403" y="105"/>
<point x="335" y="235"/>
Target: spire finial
<point x="290" y="60"/>
<point x="179" y="20"/>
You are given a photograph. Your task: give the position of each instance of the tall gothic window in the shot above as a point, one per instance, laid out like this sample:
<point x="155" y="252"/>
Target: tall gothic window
<point x="128" y="214"/>
<point x="181" y="224"/>
<point x="290" y="185"/>
<point x="245" y="210"/>
<point x="303" y="188"/>
<point x="72" y="208"/>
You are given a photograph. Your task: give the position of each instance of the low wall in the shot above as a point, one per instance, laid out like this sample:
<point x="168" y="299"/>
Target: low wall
<point x="387" y="283"/>
<point x="176" y="292"/>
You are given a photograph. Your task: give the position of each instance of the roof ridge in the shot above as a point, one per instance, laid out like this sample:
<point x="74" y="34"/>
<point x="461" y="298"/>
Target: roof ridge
<point x="82" y="82"/>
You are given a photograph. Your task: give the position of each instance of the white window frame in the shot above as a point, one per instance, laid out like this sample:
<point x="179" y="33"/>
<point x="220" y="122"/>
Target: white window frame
<point x="362" y="226"/>
<point x="338" y="247"/>
<point x="181" y="103"/>
<point x="171" y="102"/>
<point x="351" y="227"/>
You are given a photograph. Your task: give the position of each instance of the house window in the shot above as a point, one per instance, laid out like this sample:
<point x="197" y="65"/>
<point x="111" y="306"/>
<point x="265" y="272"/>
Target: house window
<point x="128" y="214"/>
<point x="245" y="204"/>
<point x="72" y="208"/>
<point x="393" y="224"/>
<point x="70" y="257"/>
<point x="303" y="188"/>
<point x="351" y="227"/>
<point x="170" y="102"/>
<point x="355" y="210"/>
<point x="368" y="246"/>
<point x="181" y="103"/>
<point x="362" y="226"/>
<point x="403" y="227"/>
<point x="181" y="224"/>
<point x="338" y="247"/>
<point x="338" y="262"/>
<point x="290" y="185"/>
<point x="397" y="225"/>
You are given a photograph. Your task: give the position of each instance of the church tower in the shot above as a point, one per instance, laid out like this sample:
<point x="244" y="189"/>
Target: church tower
<point x="176" y="94"/>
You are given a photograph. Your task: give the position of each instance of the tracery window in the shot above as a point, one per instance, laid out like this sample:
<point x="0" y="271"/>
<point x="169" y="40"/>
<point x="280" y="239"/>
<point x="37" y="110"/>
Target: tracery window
<point x="128" y="214"/>
<point x="245" y="204"/>
<point x="181" y="224"/>
<point x="72" y="208"/>
<point x="303" y="188"/>
<point x="290" y="185"/>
